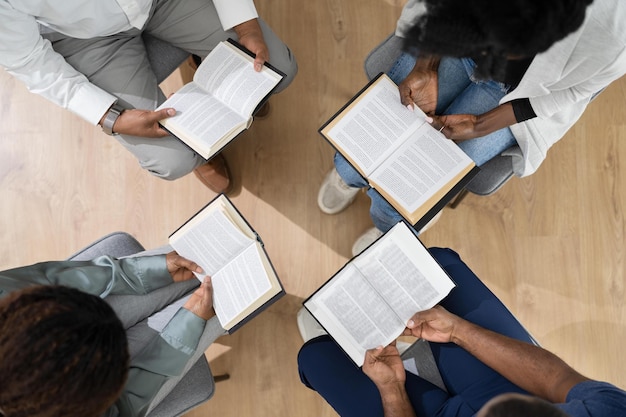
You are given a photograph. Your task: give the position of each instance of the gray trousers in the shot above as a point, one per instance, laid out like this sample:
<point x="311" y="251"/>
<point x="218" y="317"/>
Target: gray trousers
<point x="119" y="65"/>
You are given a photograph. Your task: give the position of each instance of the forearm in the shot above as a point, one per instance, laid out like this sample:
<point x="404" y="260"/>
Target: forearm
<point x="530" y="367"/>
<point x="496" y="119"/>
<point x="396" y="401"/>
<point x="250" y="27"/>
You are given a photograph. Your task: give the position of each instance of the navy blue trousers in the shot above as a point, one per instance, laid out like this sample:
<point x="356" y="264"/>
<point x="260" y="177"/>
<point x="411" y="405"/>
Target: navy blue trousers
<point x="325" y="368"/>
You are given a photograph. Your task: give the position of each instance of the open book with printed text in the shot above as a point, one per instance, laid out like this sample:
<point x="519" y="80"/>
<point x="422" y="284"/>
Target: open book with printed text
<point x="409" y="162"/>
<point x="222" y="242"/>
<point x="369" y="301"/>
<point x="220" y="101"/>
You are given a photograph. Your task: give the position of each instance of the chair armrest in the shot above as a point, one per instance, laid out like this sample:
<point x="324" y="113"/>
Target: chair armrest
<point x="383" y="56"/>
<point x="116" y="244"/>
<point x="193" y="389"/>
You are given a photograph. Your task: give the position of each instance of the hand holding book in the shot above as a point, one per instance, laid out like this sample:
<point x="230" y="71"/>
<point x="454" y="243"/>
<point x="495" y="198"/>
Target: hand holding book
<point x="400" y="154"/>
<point x="369" y="302"/>
<point x="228" y="250"/>
<point x="220" y="101"/>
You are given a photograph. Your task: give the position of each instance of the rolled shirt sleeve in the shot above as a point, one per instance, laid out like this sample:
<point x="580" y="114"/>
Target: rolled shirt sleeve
<point x="234" y="12"/>
<point x="102" y="276"/>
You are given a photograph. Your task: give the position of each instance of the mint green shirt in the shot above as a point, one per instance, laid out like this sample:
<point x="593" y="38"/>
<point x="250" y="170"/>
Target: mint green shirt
<point x="164" y="357"/>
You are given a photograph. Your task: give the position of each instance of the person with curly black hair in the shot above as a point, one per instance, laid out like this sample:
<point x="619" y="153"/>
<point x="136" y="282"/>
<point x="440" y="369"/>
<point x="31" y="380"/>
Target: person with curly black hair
<point x="66" y="351"/>
<point x="520" y="72"/>
<point x="496" y="76"/>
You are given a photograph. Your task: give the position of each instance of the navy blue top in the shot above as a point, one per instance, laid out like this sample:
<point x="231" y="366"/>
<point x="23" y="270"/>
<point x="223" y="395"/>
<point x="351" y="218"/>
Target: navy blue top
<point x="595" y="399"/>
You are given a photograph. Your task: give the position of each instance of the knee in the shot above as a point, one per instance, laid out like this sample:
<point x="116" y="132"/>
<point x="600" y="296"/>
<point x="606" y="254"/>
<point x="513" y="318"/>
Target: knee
<point x="315" y="358"/>
<point x="383" y="215"/>
<point x="289" y="66"/>
<point x="349" y="175"/>
<point x="172" y="168"/>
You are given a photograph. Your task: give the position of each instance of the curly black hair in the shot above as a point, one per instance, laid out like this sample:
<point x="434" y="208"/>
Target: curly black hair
<point x="493" y="30"/>
<point x="62" y="353"/>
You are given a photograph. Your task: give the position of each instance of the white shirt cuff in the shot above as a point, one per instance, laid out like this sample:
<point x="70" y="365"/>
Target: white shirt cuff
<point x="90" y="102"/>
<point x="234" y="12"/>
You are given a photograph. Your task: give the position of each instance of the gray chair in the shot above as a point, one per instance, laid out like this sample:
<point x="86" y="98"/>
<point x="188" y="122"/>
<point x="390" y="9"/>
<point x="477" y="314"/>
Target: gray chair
<point x="493" y="175"/>
<point x="198" y="384"/>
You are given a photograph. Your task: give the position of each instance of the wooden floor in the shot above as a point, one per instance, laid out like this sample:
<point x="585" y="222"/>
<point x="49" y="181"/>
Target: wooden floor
<point x="552" y="246"/>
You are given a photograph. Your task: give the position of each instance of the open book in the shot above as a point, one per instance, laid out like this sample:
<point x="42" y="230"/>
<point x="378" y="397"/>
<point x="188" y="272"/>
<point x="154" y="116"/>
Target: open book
<point x="409" y="162"/>
<point x="369" y="301"/>
<point x="222" y="242"/>
<point x="220" y="101"/>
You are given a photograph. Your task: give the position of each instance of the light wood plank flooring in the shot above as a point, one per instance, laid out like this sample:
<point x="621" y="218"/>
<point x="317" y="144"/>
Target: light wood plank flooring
<point x="552" y="246"/>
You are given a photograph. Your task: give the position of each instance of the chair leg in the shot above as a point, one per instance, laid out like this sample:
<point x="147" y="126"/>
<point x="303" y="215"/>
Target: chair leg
<point x="457" y="200"/>
<point x="221" y="377"/>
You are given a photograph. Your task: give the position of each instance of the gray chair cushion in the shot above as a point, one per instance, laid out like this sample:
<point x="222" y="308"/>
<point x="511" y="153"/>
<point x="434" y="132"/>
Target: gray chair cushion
<point x="492" y="175"/>
<point x="116" y="244"/>
<point x="382" y="57"/>
<point x="164" y="57"/>
<point x="424" y="362"/>
<point x="196" y="388"/>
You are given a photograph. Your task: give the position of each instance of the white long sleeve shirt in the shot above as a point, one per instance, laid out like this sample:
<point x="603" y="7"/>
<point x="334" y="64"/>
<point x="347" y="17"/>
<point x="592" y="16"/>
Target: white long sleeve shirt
<point x="561" y="81"/>
<point x="31" y="59"/>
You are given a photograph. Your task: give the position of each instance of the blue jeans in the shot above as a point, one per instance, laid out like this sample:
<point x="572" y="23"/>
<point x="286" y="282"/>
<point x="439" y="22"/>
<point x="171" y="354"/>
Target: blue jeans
<point x="325" y="368"/>
<point x="459" y="93"/>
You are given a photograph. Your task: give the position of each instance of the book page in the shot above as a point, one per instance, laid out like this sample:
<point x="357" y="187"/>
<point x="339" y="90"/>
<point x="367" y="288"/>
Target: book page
<point x="374" y="126"/>
<point x="239" y="284"/>
<point x="421" y="167"/>
<point x="405" y="275"/>
<point x="201" y="120"/>
<point x="211" y="241"/>
<point x="368" y="303"/>
<point x="354" y="314"/>
<point x="228" y="73"/>
<point x="219" y="239"/>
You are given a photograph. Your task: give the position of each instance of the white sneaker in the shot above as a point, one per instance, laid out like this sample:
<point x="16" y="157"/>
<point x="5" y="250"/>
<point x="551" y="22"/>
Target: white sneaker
<point x="335" y="195"/>
<point x="365" y="240"/>
<point x="308" y="326"/>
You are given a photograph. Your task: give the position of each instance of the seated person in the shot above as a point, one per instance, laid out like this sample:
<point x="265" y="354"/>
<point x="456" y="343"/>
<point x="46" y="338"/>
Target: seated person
<point x="489" y="364"/>
<point x="89" y="57"/>
<point x="65" y="352"/>
<point x="495" y="76"/>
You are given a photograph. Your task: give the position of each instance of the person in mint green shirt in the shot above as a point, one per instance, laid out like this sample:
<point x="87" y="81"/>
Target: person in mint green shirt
<point x="66" y="351"/>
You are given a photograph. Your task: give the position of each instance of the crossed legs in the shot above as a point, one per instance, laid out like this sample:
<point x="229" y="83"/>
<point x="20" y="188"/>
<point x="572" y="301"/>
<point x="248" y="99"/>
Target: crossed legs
<point x="119" y="64"/>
